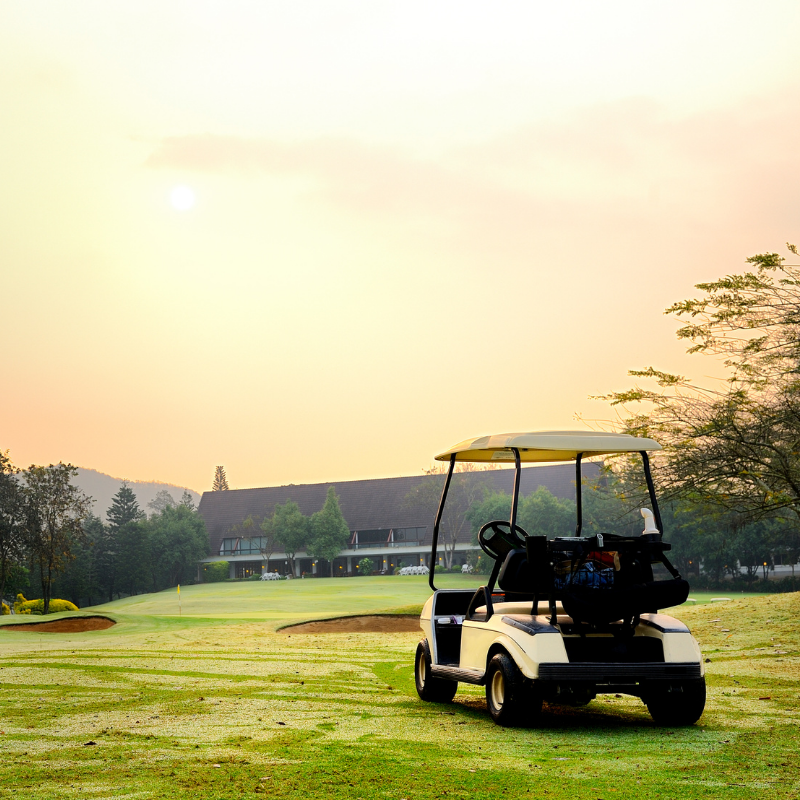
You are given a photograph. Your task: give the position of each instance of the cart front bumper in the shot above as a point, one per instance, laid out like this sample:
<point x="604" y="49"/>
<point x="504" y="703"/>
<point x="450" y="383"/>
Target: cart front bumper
<point x="595" y="672"/>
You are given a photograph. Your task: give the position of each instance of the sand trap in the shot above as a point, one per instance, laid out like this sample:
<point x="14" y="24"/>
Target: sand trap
<point x="375" y="623"/>
<point x="69" y="625"/>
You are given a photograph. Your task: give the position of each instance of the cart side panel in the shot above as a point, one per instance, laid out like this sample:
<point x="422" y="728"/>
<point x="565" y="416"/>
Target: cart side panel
<point x="526" y="649"/>
<point x="682" y="648"/>
<point x="425" y="620"/>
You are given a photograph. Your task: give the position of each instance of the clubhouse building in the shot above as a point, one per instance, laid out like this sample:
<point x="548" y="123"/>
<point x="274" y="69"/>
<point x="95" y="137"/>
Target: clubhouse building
<point x="388" y="522"/>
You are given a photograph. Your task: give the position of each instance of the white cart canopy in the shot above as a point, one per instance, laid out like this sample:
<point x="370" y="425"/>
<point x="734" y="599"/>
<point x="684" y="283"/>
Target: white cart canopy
<point x="547" y="446"/>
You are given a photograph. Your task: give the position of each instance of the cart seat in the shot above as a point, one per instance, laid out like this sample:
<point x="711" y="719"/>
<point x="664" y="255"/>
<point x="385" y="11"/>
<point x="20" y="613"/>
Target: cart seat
<point x="519" y="608"/>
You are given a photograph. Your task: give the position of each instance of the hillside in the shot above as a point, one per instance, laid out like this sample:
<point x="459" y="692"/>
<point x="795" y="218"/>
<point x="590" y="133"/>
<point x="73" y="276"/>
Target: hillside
<point x="102" y="488"/>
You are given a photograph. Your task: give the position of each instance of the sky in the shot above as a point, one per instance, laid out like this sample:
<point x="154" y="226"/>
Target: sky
<point x="324" y="241"/>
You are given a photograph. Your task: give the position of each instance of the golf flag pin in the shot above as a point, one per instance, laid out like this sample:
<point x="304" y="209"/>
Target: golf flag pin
<point x="179" y="600"/>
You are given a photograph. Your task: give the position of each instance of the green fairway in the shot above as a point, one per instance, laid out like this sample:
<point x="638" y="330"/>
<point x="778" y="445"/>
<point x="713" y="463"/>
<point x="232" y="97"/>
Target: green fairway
<point x="710" y="597"/>
<point x="282" y="602"/>
<point x="290" y="601"/>
<point x="202" y="706"/>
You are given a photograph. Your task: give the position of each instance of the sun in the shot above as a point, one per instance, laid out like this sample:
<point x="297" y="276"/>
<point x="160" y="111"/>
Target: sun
<point x="182" y="198"/>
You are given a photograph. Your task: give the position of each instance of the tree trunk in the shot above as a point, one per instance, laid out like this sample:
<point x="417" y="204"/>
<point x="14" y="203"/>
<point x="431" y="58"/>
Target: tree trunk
<point x="448" y="554"/>
<point x="46" y="582"/>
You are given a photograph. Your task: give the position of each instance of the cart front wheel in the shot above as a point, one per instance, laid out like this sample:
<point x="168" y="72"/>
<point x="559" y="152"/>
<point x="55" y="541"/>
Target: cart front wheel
<point x="676" y="703"/>
<point x="430" y="689"/>
<point x="511" y="699"/>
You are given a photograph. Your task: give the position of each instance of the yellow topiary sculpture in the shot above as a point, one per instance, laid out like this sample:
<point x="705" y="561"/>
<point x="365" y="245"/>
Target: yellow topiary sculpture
<point x="23" y="606"/>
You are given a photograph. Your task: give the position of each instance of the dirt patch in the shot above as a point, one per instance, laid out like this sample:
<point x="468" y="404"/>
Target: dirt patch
<point x="69" y="625"/>
<point x="374" y="623"/>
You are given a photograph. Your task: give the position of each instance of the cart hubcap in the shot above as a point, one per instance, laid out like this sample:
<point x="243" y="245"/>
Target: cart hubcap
<point x="498" y="689"/>
<point x="423" y="676"/>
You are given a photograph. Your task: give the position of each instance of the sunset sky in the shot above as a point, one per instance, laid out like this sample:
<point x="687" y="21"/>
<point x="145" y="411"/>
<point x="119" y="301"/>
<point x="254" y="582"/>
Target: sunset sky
<point x="324" y="241"/>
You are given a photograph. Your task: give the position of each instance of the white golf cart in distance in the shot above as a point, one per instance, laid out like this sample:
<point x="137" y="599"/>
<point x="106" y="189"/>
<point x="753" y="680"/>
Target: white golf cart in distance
<point x="561" y="620"/>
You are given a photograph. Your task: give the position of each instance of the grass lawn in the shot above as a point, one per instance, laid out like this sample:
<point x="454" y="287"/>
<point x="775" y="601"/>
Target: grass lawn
<point x="215" y="704"/>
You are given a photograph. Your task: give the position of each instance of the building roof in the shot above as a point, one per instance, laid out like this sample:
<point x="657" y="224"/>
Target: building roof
<point x="379" y="503"/>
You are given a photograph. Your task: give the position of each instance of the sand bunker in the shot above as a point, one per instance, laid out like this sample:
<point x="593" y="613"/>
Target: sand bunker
<point x="69" y="625"/>
<point x="375" y="623"/>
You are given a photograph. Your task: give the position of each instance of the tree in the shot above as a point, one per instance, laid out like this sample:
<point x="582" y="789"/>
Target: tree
<point x="12" y="519"/>
<point x="260" y="535"/>
<point x="124" y="508"/>
<point x="539" y="513"/>
<point x="466" y="488"/>
<point x="187" y="500"/>
<point x="291" y="529"/>
<point x="329" y="530"/>
<point x="494" y="505"/>
<point x="785" y="538"/>
<point x="56" y="511"/>
<point x="220" y="480"/>
<point x="542" y="513"/>
<point x="80" y="580"/>
<point x="162" y="500"/>
<point x="365" y="567"/>
<point x="177" y="539"/>
<point x="133" y="548"/>
<point x="734" y="443"/>
<point x="269" y="539"/>
<point x="122" y="555"/>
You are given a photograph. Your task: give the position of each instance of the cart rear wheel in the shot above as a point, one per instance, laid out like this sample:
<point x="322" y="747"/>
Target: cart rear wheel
<point x="511" y="699"/>
<point x="676" y="703"/>
<point x="430" y="689"/>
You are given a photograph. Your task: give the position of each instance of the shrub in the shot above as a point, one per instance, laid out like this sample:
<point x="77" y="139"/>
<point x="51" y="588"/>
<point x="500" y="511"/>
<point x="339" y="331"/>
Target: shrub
<point x="36" y="607"/>
<point x="481" y="563"/>
<point x="365" y="567"/>
<point x="4" y="610"/>
<point x="215" y="572"/>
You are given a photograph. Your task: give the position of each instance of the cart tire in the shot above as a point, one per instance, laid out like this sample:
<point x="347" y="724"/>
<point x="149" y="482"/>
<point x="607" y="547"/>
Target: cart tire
<point x="430" y="689"/>
<point x="677" y="703"/>
<point x="512" y="700"/>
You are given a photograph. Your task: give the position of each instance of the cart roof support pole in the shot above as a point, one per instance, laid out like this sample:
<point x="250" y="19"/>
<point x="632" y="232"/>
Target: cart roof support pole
<point x="515" y="498"/>
<point x="578" y="494"/>
<point x="652" y="491"/>
<point x="435" y="540"/>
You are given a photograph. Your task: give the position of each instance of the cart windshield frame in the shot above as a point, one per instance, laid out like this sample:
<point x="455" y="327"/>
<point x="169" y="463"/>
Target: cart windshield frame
<point x="538" y="447"/>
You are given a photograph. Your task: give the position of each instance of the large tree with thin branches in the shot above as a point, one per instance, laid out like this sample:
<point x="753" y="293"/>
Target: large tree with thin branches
<point x="55" y="513"/>
<point x="12" y="519"/>
<point x="735" y="442"/>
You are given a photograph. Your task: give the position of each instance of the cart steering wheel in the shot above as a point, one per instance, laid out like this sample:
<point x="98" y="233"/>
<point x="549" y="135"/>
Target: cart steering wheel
<point x="497" y="539"/>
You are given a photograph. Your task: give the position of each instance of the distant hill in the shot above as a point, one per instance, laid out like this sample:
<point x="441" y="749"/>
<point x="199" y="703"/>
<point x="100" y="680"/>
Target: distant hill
<point x="102" y="488"/>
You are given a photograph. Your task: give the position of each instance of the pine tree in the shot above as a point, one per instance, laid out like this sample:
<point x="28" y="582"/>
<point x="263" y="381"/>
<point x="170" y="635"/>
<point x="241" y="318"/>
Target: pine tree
<point x="124" y="508"/>
<point x="122" y="515"/>
<point x="220" y="481"/>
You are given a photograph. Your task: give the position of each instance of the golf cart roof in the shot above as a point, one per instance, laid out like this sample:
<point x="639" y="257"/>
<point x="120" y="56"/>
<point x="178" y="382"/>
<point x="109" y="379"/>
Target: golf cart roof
<point x="547" y="446"/>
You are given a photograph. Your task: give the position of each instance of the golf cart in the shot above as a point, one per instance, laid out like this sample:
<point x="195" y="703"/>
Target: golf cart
<point x="564" y="619"/>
